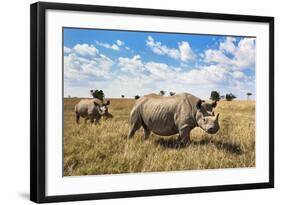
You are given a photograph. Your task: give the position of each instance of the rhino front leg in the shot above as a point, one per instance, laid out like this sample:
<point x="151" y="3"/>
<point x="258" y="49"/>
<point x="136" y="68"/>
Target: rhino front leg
<point x="77" y="118"/>
<point x="184" y="136"/>
<point x="96" y="119"/>
<point x="92" y="120"/>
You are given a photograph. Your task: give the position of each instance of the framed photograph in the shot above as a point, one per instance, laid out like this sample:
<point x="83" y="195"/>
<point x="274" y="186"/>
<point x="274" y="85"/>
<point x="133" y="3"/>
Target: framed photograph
<point x="129" y="102"/>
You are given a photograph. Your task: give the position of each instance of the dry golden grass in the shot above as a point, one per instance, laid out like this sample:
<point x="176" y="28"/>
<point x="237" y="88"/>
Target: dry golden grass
<point x="104" y="148"/>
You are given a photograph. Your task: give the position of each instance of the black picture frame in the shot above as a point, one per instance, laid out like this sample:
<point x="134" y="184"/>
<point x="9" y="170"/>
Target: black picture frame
<point x="38" y="101"/>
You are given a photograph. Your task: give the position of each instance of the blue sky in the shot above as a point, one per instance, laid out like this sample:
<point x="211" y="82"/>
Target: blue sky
<point x="137" y="63"/>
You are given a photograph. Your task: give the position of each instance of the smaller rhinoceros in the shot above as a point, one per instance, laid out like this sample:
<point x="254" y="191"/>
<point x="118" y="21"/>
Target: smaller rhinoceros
<point x="91" y="109"/>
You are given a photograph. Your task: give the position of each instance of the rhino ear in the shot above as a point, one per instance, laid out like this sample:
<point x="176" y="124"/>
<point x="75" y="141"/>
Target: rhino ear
<point x="214" y="104"/>
<point x="96" y="103"/>
<point x="199" y="104"/>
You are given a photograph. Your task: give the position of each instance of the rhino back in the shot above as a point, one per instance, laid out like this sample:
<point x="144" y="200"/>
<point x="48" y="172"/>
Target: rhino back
<point x="85" y="107"/>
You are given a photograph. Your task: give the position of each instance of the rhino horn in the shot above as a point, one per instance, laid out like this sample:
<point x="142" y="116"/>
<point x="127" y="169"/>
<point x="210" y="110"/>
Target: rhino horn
<point x="214" y="104"/>
<point x="217" y="116"/>
<point x="199" y="103"/>
<point x="107" y="102"/>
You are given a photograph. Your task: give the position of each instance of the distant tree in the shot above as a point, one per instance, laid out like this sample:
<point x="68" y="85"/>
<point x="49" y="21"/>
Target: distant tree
<point x="97" y="94"/>
<point x="137" y="97"/>
<point x="230" y="97"/>
<point x="215" y="95"/>
<point x="248" y="95"/>
<point x="122" y="96"/>
<point x="162" y="92"/>
<point x="222" y="97"/>
<point x="172" y="93"/>
<point x="69" y="96"/>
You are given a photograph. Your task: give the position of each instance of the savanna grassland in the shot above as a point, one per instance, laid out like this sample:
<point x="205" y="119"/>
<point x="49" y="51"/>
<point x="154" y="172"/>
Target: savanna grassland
<point x="91" y="149"/>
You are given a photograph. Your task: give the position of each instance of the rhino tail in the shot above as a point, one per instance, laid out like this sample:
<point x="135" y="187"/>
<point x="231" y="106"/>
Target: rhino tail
<point x="77" y="116"/>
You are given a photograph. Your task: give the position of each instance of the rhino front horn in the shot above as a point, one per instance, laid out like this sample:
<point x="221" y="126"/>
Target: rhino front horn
<point x="217" y="116"/>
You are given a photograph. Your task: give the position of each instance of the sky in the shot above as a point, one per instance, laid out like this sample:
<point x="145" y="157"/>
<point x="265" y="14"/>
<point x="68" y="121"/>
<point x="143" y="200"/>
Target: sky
<point x="137" y="63"/>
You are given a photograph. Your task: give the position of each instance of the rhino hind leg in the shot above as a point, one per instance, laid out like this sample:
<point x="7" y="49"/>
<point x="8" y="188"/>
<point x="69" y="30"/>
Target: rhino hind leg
<point x="135" y="123"/>
<point x="146" y="131"/>
<point x="133" y="128"/>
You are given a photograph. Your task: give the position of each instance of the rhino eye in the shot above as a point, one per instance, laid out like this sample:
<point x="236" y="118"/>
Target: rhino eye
<point x="204" y="120"/>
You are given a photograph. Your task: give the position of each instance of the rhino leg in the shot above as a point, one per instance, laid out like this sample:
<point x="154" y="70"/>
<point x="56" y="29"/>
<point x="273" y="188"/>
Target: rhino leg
<point x="184" y="136"/>
<point x="86" y="118"/>
<point x="135" y="122"/>
<point x="146" y="131"/>
<point x="134" y="127"/>
<point x="77" y="118"/>
<point x="97" y="119"/>
<point x="92" y="120"/>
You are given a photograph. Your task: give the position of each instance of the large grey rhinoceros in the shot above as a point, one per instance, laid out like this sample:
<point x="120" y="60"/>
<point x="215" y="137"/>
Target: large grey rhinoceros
<point x="91" y="109"/>
<point x="171" y="115"/>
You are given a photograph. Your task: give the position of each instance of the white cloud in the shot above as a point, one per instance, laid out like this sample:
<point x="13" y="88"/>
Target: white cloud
<point x="115" y="46"/>
<point x="183" y="52"/>
<point x="205" y="76"/>
<point x="228" y="63"/>
<point x="107" y="45"/>
<point x="216" y="56"/>
<point x="132" y="65"/>
<point x="83" y="62"/>
<point x="222" y="79"/>
<point x="228" y="45"/>
<point x="241" y="57"/>
<point x="85" y="50"/>
<point x="66" y="49"/>
<point x="245" y="53"/>
<point x="163" y="72"/>
<point x="238" y="75"/>
<point x="223" y="71"/>
<point x="146" y="77"/>
<point x="120" y="43"/>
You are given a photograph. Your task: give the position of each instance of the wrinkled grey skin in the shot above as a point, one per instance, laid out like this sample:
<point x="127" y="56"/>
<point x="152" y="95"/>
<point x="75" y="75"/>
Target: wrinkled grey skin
<point x="91" y="109"/>
<point x="171" y="115"/>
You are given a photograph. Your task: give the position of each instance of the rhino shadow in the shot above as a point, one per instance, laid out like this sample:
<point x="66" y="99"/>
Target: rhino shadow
<point x="170" y="143"/>
<point x="175" y="144"/>
<point x="229" y="147"/>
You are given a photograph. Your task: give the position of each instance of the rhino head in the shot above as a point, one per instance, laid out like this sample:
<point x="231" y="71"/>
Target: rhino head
<point x="206" y="118"/>
<point x="102" y="107"/>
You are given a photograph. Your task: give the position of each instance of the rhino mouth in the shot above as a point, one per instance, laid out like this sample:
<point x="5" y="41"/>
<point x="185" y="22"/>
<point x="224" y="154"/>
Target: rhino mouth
<point x="212" y="130"/>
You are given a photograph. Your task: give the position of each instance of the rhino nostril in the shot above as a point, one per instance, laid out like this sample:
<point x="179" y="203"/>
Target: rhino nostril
<point x="211" y="129"/>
